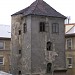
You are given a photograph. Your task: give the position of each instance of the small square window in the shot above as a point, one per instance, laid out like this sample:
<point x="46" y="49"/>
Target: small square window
<point x="42" y="26"/>
<point x="19" y="51"/>
<point x="19" y="72"/>
<point x="1" y="45"/>
<point x="19" y="32"/>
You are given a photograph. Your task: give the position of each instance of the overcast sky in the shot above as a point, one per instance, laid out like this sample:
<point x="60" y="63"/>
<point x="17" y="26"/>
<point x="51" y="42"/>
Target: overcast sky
<point x="8" y="7"/>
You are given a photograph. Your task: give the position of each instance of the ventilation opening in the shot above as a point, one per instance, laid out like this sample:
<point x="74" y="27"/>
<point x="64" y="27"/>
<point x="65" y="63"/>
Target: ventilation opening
<point x="19" y="72"/>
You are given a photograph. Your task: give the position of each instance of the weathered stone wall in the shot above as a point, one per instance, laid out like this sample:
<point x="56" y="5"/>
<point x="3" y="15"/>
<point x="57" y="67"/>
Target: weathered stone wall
<point x="34" y="57"/>
<point x="26" y="47"/>
<point x="39" y="53"/>
<point x="15" y="24"/>
<point x="21" y="42"/>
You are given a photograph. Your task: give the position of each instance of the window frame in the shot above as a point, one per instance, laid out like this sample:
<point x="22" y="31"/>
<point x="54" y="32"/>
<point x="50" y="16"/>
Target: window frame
<point x="55" y="27"/>
<point x="42" y="27"/>
<point x="70" y="47"/>
<point x="2" y="63"/>
<point x="69" y="65"/>
<point x="3" y="45"/>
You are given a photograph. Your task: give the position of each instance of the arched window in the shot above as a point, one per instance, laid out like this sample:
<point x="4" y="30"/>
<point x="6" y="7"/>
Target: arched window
<point x="49" y="45"/>
<point x="49" y="67"/>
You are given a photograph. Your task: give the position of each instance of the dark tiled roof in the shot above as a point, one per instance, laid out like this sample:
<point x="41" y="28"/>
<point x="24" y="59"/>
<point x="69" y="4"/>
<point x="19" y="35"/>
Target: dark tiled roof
<point x="39" y="7"/>
<point x="70" y="35"/>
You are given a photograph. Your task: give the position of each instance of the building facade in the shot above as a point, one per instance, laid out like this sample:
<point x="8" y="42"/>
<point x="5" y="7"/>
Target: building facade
<point x="5" y="39"/>
<point x="70" y="48"/>
<point x="37" y="48"/>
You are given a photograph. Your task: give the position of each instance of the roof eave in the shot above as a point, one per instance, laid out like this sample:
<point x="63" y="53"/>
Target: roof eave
<point x="70" y="35"/>
<point x="45" y="15"/>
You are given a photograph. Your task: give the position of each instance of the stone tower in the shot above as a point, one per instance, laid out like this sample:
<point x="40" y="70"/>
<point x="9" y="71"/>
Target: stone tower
<point x="38" y="46"/>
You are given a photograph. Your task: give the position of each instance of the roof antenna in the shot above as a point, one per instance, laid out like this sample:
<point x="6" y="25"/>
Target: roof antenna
<point x="68" y="18"/>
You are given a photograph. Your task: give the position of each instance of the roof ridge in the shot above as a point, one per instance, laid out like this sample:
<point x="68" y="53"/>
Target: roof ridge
<point x="39" y="0"/>
<point x="35" y="6"/>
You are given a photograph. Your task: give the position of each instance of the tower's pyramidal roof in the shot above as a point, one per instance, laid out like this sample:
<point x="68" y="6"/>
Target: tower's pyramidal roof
<point x="39" y="7"/>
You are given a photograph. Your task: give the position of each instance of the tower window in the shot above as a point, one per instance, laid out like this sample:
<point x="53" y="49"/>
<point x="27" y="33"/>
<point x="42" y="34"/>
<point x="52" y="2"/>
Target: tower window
<point x="24" y="27"/>
<point x="42" y="26"/>
<point x="49" y="45"/>
<point x="19" y="32"/>
<point x="20" y="52"/>
<point x="55" y="28"/>
<point x="49" y="67"/>
<point x="19" y="72"/>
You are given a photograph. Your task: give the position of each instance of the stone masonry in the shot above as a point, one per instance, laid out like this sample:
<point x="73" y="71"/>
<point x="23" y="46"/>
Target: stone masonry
<point x="34" y="56"/>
